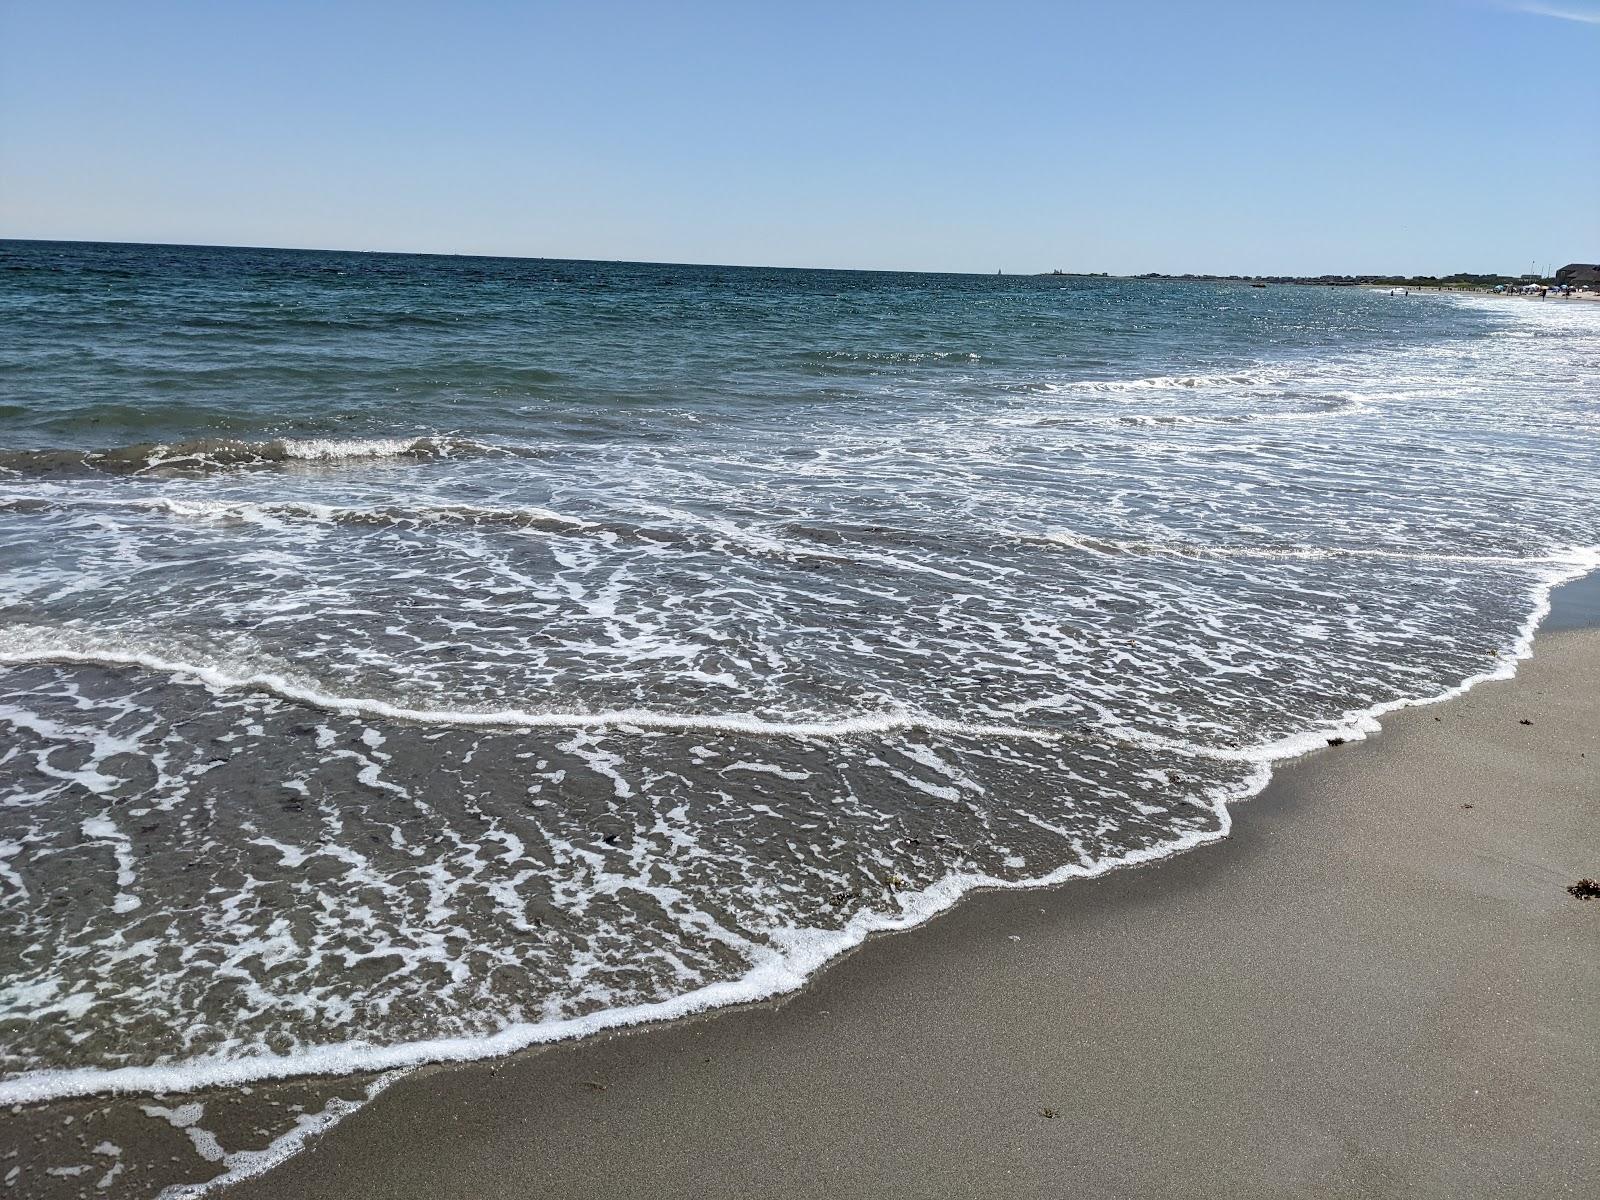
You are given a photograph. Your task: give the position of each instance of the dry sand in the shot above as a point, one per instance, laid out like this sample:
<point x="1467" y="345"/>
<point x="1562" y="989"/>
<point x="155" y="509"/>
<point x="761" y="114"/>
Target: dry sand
<point x="1378" y="986"/>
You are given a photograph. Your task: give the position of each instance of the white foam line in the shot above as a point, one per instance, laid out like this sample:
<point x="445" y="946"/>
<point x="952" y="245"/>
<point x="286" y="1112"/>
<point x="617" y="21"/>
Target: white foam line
<point x="307" y="449"/>
<point x="338" y="448"/>
<point x="1249" y="379"/>
<point x="515" y="718"/>
<point x="1115" y="547"/>
<point x="795" y="955"/>
<point x="422" y="513"/>
<point x="246" y="1164"/>
<point x="1358" y="724"/>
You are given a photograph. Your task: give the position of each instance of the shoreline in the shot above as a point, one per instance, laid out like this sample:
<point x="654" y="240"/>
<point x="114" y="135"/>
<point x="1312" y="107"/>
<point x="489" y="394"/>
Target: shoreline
<point x="786" y="974"/>
<point x="878" y="1033"/>
<point x="1424" y="289"/>
<point x="308" y="1109"/>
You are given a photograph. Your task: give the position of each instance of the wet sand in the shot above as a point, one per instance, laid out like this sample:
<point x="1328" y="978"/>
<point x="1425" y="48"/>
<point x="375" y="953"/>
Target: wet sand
<point x="1378" y="986"/>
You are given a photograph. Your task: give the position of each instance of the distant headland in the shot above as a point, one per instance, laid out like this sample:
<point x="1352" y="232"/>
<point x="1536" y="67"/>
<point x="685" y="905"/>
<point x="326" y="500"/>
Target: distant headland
<point x="1579" y="276"/>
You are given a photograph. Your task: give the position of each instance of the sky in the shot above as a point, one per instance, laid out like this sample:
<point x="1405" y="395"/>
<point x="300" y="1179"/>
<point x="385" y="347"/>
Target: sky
<point x="1226" y="136"/>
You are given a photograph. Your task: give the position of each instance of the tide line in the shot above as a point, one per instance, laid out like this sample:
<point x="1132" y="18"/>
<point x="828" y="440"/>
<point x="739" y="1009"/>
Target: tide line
<point x="285" y="688"/>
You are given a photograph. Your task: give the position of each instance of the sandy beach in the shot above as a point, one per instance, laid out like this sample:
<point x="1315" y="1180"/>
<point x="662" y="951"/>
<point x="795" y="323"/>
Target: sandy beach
<point x="736" y="616"/>
<point x="1378" y="985"/>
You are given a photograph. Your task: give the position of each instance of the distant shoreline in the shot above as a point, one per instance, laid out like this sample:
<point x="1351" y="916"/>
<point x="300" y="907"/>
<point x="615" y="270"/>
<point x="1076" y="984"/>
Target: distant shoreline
<point x="1480" y="284"/>
<point x="1509" y="294"/>
<point x="1460" y="282"/>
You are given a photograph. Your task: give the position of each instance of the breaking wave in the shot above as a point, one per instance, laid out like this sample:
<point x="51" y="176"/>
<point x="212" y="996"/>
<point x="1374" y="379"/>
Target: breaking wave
<point x="205" y="455"/>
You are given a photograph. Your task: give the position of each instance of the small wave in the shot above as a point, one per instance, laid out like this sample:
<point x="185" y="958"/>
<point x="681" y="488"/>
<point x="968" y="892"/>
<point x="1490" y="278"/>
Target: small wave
<point x="332" y="449"/>
<point x="879" y="358"/>
<point x="794" y="542"/>
<point x="203" y="455"/>
<point x="1161" y="383"/>
<point x="1334" y="406"/>
<point x="19" y="647"/>
<point x="274" y="512"/>
<point x="1117" y="547"/>
<point x="526" y="518"/>
<point x="537" y="519"/>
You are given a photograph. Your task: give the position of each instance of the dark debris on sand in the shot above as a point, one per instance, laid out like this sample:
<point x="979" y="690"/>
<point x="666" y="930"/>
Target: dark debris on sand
<point x="1586" y="889"/>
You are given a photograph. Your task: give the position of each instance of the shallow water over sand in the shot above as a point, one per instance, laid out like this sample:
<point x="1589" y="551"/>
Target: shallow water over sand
<point x="408" y="658"/>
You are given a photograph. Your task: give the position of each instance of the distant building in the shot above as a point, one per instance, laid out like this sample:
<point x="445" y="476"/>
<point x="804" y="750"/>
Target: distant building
<point x="1578" y="274"/>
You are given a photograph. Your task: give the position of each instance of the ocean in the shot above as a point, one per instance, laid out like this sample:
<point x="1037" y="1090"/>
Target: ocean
<point x="414" y="658"/>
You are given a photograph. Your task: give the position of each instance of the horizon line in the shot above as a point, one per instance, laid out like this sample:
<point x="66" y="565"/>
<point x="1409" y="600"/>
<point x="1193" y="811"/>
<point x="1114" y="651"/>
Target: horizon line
<point x="647" y="262"/>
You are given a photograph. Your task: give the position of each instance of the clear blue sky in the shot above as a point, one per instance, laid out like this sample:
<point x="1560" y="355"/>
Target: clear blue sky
<point x="1120" y="135"/>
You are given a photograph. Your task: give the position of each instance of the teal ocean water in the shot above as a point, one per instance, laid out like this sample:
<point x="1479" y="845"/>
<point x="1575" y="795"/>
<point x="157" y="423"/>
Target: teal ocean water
<point x="406" y="658"/>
